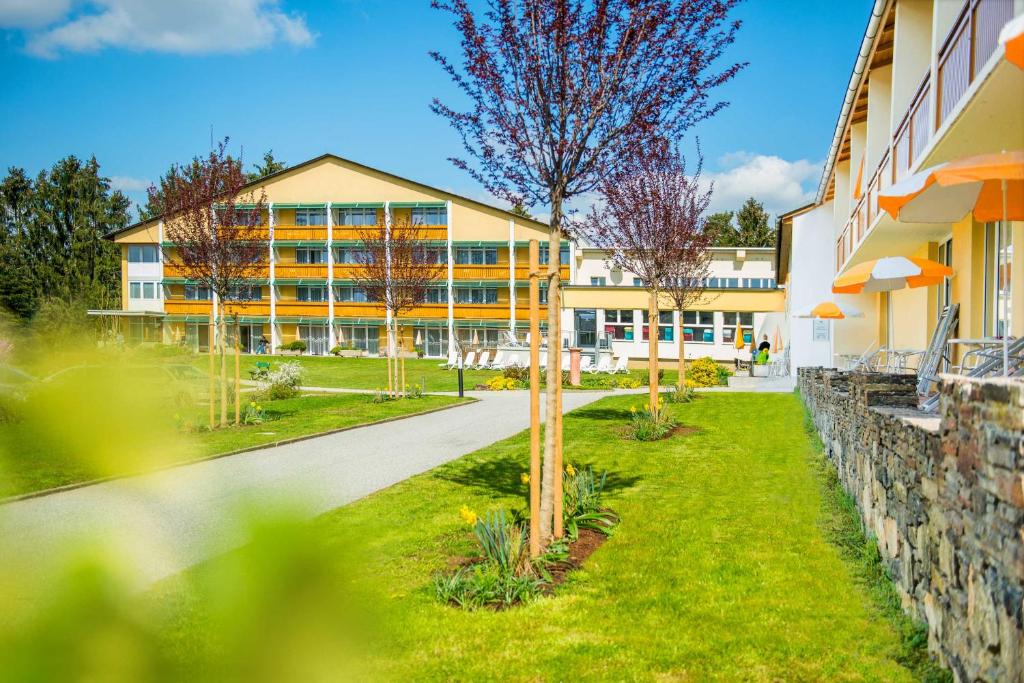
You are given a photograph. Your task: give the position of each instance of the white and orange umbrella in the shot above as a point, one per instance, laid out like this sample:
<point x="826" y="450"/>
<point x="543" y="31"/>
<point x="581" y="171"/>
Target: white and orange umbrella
<point x="1012" y="40"/>
<point x="830" y="310"/>
<point x="989" y="185"/>
<point x="890" y="273"/>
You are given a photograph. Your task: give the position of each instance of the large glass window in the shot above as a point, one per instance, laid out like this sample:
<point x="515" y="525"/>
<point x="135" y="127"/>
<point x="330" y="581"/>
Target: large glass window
<point x="433" y="341"/>
<point x="143" y="290"/>
<point x="363" y="337"/>
<point x="699" y="327"/>
<point x="311" y="255"/>
<point x="350" y="255"/>
<point x="355" y="216"/>
<point x="436" y="295"/>
<point x="247" y="293"/>
<point x="619" y="324"/>
<point x="144" y="330"/>
<point x="563" y="254"/>
<point x="746" y="321"/>
<point x="998" y="279"/>
<point x="476" y="256"/>
<point x="311" y="293"/>
<point x="430" y="215"/>
<point x="350" y="294"/>
<point x="476" y="295"/>
<point x="598" y="282"/>
<point x="143" y="253"/>
<point x="434" y="255"/>
<point x="310" y="216"/>
<point x="485" y="336"/>
<point x="664" y="327"/>
<point x="197" y="293"/>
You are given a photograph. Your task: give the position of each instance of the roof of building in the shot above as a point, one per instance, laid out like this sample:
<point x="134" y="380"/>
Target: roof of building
<point x="323" y="157"/>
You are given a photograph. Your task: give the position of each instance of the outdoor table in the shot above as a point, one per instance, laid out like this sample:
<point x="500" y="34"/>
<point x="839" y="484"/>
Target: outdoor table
<point x="982" y="344"/>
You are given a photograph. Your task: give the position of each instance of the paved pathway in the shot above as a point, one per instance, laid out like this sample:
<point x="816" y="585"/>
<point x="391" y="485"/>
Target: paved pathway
<point x="164" y="522"/>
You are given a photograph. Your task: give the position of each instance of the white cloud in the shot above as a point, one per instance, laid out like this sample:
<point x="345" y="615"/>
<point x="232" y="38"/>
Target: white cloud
<point x="779" y="184"/>
<point x="129" y="184"/>
<point x="32" y="13"/>
<point x="180" y="27"/>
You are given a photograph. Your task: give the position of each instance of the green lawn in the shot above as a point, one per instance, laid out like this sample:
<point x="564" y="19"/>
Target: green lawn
<point x="724" y="567"/>
<point x="37" y="455"/>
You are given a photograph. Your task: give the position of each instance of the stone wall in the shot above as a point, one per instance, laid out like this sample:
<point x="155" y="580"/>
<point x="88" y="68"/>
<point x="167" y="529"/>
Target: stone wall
<point x="944" y="496"/>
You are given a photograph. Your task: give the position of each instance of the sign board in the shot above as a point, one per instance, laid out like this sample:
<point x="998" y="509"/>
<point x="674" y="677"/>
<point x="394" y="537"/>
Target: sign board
<point x="821" y="328"/>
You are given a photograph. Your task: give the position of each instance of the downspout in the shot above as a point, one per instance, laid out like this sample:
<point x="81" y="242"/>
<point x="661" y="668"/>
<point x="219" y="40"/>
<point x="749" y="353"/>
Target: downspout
<point x="874" y="23"/>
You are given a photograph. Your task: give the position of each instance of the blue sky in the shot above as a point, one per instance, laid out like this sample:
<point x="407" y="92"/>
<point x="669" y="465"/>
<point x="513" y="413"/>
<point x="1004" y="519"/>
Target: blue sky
<point x="138" y="83"/>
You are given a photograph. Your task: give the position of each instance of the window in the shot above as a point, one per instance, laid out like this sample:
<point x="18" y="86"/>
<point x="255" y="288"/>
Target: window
<point x="434" y="255"/>
<point x="430" y="215"/>
<point x="436" y="295"/>
<point x="433" y="341"/>
<point x="355" y="216"/>
<point x="311" y="293"/>
<point x="998" y="279"/>
<point x="477" y="256"/>
<point x="699" y="327"/>
<point x="142" y="330"/>
<point x="758" y="283"/>
<point x="310" y="216"/>
<point x="945" y="295"/>
<point x="485" y="336"/>
<point x="351" y="255"/>
<point x="197" y="293"/>
<point x="143" y="253"/>
<point x="597" y="282"/>
<point x="363" y="337"/>
<point x="638" y="282"/>
<point x="746" y="321"/>
<point x="476" y="295"/>
<point x="563" y="254"/>
<point x="310" y="255"/>
<point x="350" y="294"/>
<point x="143" y="290"/>
<point x="619" y="324"/>
<point x="246" y="293"/>
<point x="664" y="327"/>
<point x="543" y="295"/>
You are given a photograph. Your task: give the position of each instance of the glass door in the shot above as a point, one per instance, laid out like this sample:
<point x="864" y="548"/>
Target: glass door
<point x="315" y="337"/>
<point x="586" y="328"/>
<point x="434" y="341"/>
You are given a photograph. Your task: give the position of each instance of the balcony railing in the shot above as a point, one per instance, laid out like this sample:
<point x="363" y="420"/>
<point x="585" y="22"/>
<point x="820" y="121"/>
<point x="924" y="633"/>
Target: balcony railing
<point x="289" y="308"/>
<point x="311" y="233"/>
<point x="261" y="307"/>
<point x="477" y="272"/>
<point x="914" y="131"/>
<point x="523" y="271"/>
<point x="312" y="271"/>
<point x="350" y="309"/>
<point x="177" y="270"/>
<point x="969" y="44"/>
<point x="186" y="307"/>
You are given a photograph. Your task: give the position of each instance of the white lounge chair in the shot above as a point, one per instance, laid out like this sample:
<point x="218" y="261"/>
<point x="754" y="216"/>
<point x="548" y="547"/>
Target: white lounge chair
<point x="585" y="364"/>
<point x="621" y="365"/>
<point x="484" y="362"/>
<point x="543" y="362"/>
<point x="452" y="362"/>
<point x="469" y="360"/>
<point x="603" y="365"/>
<point x="498" y="362"/>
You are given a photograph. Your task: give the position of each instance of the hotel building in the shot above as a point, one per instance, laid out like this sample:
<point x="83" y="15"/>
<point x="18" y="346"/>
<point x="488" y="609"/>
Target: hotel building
<point x="930" y="85"/>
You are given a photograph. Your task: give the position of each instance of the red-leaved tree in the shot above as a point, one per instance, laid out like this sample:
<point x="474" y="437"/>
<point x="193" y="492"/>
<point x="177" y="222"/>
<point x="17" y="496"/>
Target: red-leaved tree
<point x="560" y="91"/>
<point x="217" y="237"/>
<point x="651" y="225"/>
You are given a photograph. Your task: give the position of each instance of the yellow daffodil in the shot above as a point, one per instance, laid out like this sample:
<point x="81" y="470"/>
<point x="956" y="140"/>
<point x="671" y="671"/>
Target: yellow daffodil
<point x="632" y="409"/>
<point x="468" y="516"/>
<point x="570" y="470"/>
<point x="252" y="403"/>
<point x="524" y="478"/>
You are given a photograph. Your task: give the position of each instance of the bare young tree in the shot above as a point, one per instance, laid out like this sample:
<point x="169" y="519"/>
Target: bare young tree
<point x="650" y="225"/>
<point x="396" y="270"/>
<point x="214" y="225"/>
<point x="686" y="284"/>
<point x="560" y="90"/>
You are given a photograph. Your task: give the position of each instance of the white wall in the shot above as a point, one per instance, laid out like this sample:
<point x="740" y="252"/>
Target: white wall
<point x="812" y="268"/>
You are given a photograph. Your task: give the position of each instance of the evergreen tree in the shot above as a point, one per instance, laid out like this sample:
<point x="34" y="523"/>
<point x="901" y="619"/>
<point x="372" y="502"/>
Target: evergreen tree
<point x="754" y="229"/>
<point x="721" y="229"/>
<point x="270" y="165"/>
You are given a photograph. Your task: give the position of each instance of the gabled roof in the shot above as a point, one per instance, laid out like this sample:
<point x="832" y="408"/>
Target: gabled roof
<point x="364" y="167"/>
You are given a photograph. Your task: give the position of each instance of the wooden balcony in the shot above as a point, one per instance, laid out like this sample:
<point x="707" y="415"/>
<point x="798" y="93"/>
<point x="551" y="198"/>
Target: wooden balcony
<point x="429" y="311"/>
<point x="523" y="271"/>
<point x="347" y="271"/>
<point x="486" y="311"/>
<point x="358" y="310"/>
<point x="473" y="272"/>
<point x="177" y="270"/>
<point x="245" y="308"/>
<point x="186" y="307"/>
<point x="309" y="233"/>
<point x="316" y="271"/>
<point x="316" y="309"/>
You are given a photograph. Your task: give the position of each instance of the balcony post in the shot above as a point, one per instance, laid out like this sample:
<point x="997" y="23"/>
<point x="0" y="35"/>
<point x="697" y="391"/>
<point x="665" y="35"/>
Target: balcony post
<point x="512" y="276"/>
<point x="451" y="293"/>
<point x="331" y="343"/>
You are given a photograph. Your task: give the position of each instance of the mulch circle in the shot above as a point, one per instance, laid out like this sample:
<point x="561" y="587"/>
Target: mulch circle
<point x="584" y="546"/>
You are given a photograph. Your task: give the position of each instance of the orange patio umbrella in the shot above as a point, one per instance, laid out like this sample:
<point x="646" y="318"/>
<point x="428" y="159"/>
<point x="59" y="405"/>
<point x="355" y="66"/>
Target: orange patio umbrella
<point x="739" y="337"/>
<point x="829" y="310"/>
<point x="1012" y="40"/>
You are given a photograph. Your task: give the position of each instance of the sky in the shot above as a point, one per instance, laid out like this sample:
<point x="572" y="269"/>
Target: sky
<point x="141" y="83"/>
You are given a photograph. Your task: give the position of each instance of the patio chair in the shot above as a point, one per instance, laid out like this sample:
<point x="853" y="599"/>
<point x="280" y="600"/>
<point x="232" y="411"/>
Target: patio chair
<point x="927" y="369"/>
<point x="543" y="360"/>
<point x="621" y="365"/>
<point x="603" y="365"/>
<point x="990" y="364"/>
<point x="778" y="366"/>
<point x="484" y="361"/>
<point x="498" y="362"/>
<point x="585" y="364"/>
<point x="452" y="362"/>
<point x="469" y="360"/>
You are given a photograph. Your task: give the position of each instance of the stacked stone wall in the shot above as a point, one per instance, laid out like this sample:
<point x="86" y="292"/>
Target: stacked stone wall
<point x="944" y="497"/>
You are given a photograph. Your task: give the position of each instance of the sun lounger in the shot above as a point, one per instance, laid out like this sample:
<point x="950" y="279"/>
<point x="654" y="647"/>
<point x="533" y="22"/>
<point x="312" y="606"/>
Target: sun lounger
<point x="585" y="364"/>
<point x="469" y="360"/>
<point x="621" y="365"/>
<point x="452" y="362"/>
<point x="484" y="362"/>
<point x="498" y="362"/>
<point x="603" y="365"/>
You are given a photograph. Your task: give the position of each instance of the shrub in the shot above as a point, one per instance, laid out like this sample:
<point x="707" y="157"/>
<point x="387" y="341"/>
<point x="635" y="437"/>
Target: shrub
<point x="682" y="394"/>
<point x="297" y="345"/>
<point x="645" y="379"/>
<point x="724" y="374"/>
<point x="283" y="382"/>
<point x="501" y="384"/>
<point x="645" y="425"/>
<point x="705" y="372"/>
<point x="517" y="373"/>
<point x="335" y="351"/>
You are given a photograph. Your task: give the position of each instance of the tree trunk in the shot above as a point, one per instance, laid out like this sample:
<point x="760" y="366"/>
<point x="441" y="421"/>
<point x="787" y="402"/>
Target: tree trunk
<point x="238" y="372"/>
<point x="387" y="354"/>
<point x="401" y="358"/>
<point x="554" y="375"/>
<point x="223" y="341"/>
<point x="210" y="335"/>
<point x="681" y="368"/>
<point x="652" y="349"/>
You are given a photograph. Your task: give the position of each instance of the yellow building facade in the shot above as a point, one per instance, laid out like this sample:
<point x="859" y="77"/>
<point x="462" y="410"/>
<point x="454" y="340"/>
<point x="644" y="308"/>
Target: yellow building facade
<point x="306" y="289"/>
